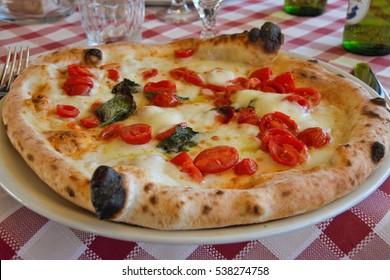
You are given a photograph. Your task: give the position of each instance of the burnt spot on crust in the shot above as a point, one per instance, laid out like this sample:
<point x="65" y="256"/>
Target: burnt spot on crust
<point x="219" y="192"/>
<point x="270" y="34"/>
<point x="30" y="157"/>
<point x="148" y="188"/>
<point x="70" y="191"/>
<point x="366" y="111"/>
<point x="377" y="151"/>
<point x="107" y="192"/>
<point x="286" y="193"/>
<point x="93" y="56"/>
<point x="153" y="199"/>
<point x="254" y="209"/>
<point x="6" y="127"/>
<point x="206" y="209"/>
<point x="378" y="101"/>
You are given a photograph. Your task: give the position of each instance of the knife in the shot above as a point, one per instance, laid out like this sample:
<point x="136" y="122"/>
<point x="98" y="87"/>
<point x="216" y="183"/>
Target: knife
<point x="363" y="72"/>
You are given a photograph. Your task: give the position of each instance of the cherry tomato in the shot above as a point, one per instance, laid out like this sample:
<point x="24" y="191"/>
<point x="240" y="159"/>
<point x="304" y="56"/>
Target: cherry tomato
<point x="287" y="150"/>
<point x="169" y="131"/>
<point x="263" y="74"/>
<point x="193" y="78"/>
<point x="111" y="131"/>
<point x="217" y="159"/>
<point x="79" y="70"/>
<point x="300" y="100"/>
<point x="178" y="73"/>
<point x="271" y="133"/>
<point x="226" y="114"/>
<point x="184" y="161"/>
<point x="184" y="53"/>
<point x="314" y="137"/>
<point x="253" y="83"/>
<point x="222" y="101"/>
<point x="77" y="85"/>
<point x="95" y="105"/>
<point x="277" y="120"/>
<point x="161" y="86"/>
<point x="165" y="99"/>
<point x="136" y="134"/>
<point x="286" y="80"/>
<point x="150" y="73"/>
<point x="67" y="111"/>
<point x="245" y="167"/>
<point x="248" y="115"/>
<point x="113" y="75"/>
<point x="90" y="122"/>
<point x="310" y="94"/>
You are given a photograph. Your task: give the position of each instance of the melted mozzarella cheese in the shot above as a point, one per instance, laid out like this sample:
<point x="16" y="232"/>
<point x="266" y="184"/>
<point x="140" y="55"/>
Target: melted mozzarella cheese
<point x="219" y="76"/>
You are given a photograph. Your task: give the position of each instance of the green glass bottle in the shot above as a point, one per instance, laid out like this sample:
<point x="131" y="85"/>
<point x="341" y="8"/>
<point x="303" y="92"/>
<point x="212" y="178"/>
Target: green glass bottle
<point x="367" y="28"/>
<point x="305" y="7"/>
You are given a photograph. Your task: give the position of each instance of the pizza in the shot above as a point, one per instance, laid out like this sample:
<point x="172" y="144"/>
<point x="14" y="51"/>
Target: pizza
<point x="195" y="133"/>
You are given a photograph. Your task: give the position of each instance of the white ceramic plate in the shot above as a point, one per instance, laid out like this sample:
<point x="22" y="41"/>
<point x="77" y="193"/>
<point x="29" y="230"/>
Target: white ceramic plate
<point x="22" y="183"/>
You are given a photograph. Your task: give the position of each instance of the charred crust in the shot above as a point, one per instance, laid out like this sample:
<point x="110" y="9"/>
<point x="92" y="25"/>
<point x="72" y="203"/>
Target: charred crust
<point x="270" y="34"/>
<point x="148" y="188"/>
<point x="219" y="192"/>
<point x="286" y="193"/>
<point x="6" y="127"/>
<point x="370" y="113"/>
<point x="206" y="209"/>
<point x="378" y="101"/>
<point x="107" y="192"/>
<point x="70" y="191"/>
<point x="30" y="157"/>
<point x="153" y="200"/>
<point x="377" y="151"/>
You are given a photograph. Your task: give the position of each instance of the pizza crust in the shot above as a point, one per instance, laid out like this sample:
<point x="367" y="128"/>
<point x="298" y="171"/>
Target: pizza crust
<point x="137" y="200"/>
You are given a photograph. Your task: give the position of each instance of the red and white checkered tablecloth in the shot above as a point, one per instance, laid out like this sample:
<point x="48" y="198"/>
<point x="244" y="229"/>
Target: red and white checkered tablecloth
<point x="361" y="232"/>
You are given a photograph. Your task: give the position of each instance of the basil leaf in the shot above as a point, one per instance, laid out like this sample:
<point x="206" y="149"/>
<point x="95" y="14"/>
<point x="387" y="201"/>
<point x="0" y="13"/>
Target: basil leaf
<point x="126" y="87"/>
<point x="179" y="141"/>
<point x="116" y="109"/>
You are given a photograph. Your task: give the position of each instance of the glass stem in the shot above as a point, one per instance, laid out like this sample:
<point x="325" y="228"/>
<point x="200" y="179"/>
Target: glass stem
<point x="209" y="23"/>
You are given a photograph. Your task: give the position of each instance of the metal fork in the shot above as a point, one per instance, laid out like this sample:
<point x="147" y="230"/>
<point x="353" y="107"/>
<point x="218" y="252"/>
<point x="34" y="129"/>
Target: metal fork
<point x="14" y="64"/>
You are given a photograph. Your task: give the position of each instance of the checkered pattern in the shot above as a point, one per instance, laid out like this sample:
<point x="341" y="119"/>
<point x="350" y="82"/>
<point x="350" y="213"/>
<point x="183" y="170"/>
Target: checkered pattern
<point x="362" y="232"/>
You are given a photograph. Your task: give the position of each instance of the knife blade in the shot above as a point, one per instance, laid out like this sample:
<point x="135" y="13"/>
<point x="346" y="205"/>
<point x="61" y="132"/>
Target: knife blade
<point x="363" y="72"/>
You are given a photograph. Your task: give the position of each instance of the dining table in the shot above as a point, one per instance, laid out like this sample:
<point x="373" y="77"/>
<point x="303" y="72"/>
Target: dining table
<point x="35" y="224"/>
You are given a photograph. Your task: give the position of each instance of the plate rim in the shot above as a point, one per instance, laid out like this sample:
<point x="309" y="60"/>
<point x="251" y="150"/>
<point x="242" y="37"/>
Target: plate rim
<point x="88" y="222"/>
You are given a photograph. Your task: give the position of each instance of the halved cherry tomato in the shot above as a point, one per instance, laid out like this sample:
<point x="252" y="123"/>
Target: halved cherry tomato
<point x="277" y="120"/>
<point x="184" y="53"/>
<point x="286" y="80"/>
<point x="263" y="74"/>
<point x="150" y="73"/>
<point x="222" y="101"/>
<point x="310" y="94"/>
<point x="161" y="86"/>
<point x="193" y="78"/>
<point x="246" y="167"/>
<point x="136" y="134"/>
<point x="165" y="99"/>
<point x="217" y="159"/>
<point x="90" y="122"/>
<point x="314" y="137"/>
<point x="113" y="75"/>
<point x="178" y="73"/>
<point x="253" y="83"/>
<point x="248" y="115"/>
<point x="271" y="133"/>
<point x="287" y="150"/>
<point x="184" y="161"/>
<point x="169" y="131"/>
<point x="111" y="131"/>
<point x="77" y="85"/>
<point x="79" y="70"/>
<point x="95" y="105"/>
<point x="300" y="100"/>
<point x="67" y="111"/>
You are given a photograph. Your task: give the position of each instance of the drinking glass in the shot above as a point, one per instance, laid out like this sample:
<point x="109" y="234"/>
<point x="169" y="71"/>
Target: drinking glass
<point x="208" y="10"/>
<point x="178" y="12"/>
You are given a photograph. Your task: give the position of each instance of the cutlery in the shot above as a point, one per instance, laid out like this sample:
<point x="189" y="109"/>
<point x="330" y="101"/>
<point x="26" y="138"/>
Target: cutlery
<point x="12" y="68"/>
<point x="363" y="72"/>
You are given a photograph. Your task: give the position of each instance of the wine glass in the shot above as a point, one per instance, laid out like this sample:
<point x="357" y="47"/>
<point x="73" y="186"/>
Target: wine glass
<point x="178" y="12"/>
<point x="208" y="10"/>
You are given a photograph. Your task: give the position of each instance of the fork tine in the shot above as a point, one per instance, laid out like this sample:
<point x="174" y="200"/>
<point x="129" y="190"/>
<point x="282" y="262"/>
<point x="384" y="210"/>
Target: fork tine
<point x="5" y="69"/>
<point x="15" y="63"/>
